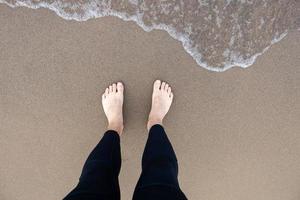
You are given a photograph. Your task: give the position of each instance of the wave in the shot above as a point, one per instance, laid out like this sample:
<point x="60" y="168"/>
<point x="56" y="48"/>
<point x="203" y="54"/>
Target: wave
<point x="219" y="35"/>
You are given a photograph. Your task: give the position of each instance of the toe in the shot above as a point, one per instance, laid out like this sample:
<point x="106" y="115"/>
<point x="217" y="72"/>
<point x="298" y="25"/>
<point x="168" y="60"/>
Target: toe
<point x="171" y="95"/>
<point x="114" y="87"/>
<point x="163" y="86"/>
<point x="110" y="89"/>
<point x="120" y="87"/>
<point x="103" y="96"/>
<point x="106" y="91"/>
<point x="166" y="86"/>
<point x="169" y="90"/>
<point x="156" y="84"/>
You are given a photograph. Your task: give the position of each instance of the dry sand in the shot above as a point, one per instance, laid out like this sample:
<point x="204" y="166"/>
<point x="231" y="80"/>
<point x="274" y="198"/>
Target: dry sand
<point x="236" y="133"/>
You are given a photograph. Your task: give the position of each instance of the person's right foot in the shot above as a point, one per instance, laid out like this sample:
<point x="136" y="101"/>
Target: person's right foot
<point x="162" y="98"/>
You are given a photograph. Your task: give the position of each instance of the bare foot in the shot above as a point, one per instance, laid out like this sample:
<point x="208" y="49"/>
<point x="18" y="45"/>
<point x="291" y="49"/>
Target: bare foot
<point x="112" y="102"/>
<point x="161" y="101"/>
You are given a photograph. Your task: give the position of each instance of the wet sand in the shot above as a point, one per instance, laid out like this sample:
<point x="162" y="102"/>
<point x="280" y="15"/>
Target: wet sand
<point x="236" y="133"/>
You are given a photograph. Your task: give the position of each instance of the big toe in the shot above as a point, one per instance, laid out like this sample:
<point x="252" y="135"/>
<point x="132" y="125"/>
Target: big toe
<point x="120" y="87"/>
<point x="156" y="85"/>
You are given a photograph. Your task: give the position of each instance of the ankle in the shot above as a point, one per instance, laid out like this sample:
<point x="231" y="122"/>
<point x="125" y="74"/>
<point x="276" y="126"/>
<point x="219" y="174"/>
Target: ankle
<point x="116" y="126"/>
<point x="152" y="121"/>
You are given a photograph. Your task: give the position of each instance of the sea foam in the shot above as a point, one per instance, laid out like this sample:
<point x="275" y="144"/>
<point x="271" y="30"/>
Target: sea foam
<point x="219" y="35"/>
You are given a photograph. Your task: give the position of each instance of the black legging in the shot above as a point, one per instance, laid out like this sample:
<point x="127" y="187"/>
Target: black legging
<point x="99" y="177"/>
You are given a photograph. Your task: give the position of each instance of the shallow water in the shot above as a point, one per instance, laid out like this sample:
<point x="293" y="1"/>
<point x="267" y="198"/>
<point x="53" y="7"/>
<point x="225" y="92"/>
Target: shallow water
<point x="217" y="34"/>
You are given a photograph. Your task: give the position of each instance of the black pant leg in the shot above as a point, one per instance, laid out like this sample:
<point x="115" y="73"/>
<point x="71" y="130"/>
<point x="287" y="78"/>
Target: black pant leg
<point x="159" y="169"/>
<point x="99" y="177"/>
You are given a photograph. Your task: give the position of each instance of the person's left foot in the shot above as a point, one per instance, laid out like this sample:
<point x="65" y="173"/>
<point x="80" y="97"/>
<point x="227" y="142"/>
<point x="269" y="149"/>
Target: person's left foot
<point x="112" y="102"/>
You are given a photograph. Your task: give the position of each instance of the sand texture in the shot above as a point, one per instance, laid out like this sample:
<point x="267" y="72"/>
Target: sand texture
<point x="236" y="133"/>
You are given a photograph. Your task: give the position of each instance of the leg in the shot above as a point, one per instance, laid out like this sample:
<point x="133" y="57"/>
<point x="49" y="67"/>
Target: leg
<point x="159" y="164"/>
<point x="99" y="178"/>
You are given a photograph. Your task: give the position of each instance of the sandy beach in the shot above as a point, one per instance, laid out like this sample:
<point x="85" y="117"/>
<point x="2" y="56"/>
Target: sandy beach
<point x="236" y="133"/>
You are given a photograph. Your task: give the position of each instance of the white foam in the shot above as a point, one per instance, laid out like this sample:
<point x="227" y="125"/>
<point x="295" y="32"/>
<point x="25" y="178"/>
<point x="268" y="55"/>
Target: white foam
<point x="93" y="11"/>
